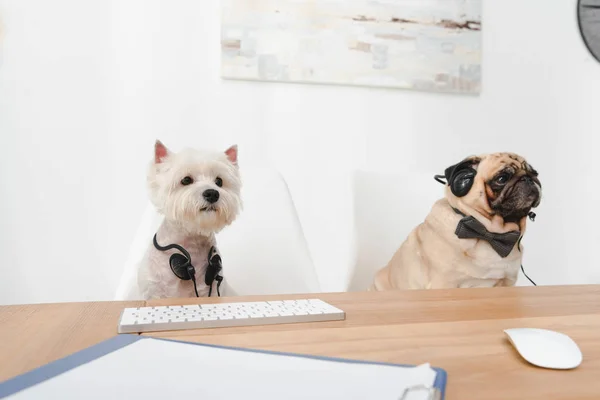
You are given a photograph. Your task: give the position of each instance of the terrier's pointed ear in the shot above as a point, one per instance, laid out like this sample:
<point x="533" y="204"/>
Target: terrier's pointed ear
<point x="232" y="154"/>
<point x="160" y="152"/>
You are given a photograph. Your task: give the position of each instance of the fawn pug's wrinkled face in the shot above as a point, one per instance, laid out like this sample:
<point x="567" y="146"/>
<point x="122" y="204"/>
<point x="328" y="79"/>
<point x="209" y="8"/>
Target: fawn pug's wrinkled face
<point x="198" y="190"/>
<point x="499" y="184"/>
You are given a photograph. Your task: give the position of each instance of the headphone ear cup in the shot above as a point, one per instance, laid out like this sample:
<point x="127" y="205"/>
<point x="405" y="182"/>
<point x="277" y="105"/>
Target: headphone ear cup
<point x="462" y="181"/>
<point x="179" y="264"/>
<point x="215" y="265"/>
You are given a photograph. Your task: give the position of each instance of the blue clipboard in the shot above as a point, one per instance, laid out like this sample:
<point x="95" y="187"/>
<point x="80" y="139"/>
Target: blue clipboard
<point x="89" y="354"/>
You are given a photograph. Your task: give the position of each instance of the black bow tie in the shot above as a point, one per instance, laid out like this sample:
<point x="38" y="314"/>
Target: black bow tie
<point x="503" y="243"/>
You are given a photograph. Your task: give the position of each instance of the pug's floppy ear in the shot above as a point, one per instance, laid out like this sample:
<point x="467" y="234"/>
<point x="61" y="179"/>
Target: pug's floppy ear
<point x="461" y="176"/>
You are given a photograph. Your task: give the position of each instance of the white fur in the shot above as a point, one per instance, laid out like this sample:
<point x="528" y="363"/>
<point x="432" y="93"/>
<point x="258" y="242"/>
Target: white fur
<point x="185" y="222"/>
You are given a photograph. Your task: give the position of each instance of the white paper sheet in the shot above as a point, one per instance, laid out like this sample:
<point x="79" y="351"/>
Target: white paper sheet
<point x="158" y="369"/>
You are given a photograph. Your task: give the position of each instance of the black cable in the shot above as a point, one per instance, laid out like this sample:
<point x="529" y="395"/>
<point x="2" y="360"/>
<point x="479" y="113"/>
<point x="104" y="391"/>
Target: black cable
<point x="192" y="273"/>
<point x="219" y="279"/>
<point x="195" y="288"/>
<point x="522" y="269"/>
<point x="439" y="179"/>
<point x="171" y="246"/>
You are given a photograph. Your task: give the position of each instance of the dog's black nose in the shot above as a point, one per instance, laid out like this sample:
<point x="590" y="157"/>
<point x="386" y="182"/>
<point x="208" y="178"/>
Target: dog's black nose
<point x="211" y="195"/>
<point x="527" y="179"/>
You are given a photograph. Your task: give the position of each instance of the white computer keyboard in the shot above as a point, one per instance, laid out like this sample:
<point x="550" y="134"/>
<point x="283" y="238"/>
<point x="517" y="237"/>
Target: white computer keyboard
<point x="168" y="318"/>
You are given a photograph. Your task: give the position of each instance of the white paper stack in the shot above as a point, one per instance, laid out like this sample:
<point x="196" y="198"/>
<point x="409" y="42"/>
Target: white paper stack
<point x="134" y="367"/>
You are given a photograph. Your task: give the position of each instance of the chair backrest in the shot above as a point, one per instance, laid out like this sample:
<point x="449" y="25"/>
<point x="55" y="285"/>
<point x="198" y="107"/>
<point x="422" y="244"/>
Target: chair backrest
<point x="151" y="220"/>
<point x="264" y="251"/>
<point x="387" y="207"/>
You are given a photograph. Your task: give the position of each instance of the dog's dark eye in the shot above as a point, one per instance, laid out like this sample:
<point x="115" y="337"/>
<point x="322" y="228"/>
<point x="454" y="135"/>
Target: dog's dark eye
<point x="219" y="182"/>
<point x="187" y="181"/>
<point x="502" y="179"/>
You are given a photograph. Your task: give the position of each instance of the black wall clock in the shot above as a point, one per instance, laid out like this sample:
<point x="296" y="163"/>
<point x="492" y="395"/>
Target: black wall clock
<point x="588" y="14"/>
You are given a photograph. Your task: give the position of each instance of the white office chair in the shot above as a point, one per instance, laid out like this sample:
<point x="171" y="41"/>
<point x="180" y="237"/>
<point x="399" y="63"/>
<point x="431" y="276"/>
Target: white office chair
<point x="264" y="251"/>
<point x="387" y="207"/>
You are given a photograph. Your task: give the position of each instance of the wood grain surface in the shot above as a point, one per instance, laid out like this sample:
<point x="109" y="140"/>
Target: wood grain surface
<point x="460" y="330"/>
<point x="36" y="334"/>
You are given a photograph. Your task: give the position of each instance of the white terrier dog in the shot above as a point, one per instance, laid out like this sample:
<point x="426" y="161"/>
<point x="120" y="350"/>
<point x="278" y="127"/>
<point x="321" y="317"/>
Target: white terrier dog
<point x="198" y="192"/>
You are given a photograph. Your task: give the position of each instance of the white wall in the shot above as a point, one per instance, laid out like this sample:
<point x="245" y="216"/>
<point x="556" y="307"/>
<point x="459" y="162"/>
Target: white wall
<point x="86" y="87"/>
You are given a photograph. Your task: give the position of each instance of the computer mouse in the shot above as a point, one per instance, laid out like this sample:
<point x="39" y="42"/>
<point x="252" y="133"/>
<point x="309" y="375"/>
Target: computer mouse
<point x="545" y="348"/>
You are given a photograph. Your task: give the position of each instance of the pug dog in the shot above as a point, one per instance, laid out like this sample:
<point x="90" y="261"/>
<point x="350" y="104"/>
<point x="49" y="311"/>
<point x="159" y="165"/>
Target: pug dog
<point x="471" y="237"/>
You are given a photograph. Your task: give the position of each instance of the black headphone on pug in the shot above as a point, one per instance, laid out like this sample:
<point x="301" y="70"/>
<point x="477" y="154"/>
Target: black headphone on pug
<point x="181" y="265"/>
<point x="460" y="177"/>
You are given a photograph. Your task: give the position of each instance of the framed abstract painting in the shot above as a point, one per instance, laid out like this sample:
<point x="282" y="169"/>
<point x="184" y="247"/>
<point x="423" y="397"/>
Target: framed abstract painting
<point x="431" y="45"/>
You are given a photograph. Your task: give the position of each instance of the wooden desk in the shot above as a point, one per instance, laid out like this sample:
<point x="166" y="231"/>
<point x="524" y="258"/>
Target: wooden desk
<point x="33" y="335"/>
<point x="458" y="330"/>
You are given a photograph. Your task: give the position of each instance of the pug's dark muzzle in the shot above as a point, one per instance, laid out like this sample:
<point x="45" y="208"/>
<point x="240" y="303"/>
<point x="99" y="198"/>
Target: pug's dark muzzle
<point x="518" y="199"/>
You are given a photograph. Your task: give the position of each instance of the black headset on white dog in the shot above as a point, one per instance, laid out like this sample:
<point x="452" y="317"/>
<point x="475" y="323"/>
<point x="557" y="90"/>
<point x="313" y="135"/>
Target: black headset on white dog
<point x="460" y="178"/>
<point x="181" y="265"/>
